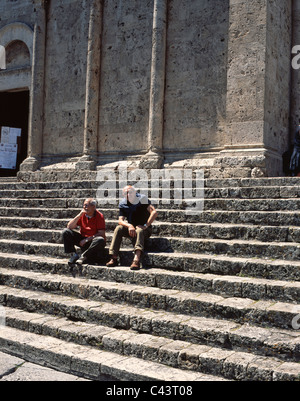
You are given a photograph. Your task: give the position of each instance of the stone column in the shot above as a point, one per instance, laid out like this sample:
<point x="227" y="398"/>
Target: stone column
<point x="154" y="158"/>
<point x="91" y="124"/>
<point x="245" y="82"/>
<point x="257" y="87"/>
<point x="36" y="107"/>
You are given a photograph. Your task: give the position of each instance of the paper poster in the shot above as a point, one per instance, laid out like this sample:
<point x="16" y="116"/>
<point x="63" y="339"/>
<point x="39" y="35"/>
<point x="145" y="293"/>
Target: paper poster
<point x="10" y="135"/>
<point x="8" y="155"/>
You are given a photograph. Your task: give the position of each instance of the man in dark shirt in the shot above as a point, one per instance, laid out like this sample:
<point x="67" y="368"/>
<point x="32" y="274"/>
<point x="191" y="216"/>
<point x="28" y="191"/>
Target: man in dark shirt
<point x="135" y="219"/>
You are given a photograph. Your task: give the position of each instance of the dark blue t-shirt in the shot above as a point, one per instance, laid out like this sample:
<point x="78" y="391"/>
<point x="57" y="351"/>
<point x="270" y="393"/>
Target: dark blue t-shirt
<point x="136" y="213"/>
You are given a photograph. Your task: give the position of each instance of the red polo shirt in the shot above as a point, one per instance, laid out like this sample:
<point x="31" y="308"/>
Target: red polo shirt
<point x="90" y="226"/>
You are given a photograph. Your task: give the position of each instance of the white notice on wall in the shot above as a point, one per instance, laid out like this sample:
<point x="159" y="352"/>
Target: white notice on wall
<point x="8" y="155"/>
<point x="10" y="135"/>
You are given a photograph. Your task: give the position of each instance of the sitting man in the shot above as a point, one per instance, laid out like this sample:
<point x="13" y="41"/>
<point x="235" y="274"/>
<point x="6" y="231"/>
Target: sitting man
<point x="140" y="214"/>
<point x="91" y="238"/>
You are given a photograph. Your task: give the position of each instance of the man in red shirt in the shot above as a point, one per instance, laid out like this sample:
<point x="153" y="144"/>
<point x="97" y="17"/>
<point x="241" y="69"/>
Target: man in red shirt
<point x="91" y="238"/>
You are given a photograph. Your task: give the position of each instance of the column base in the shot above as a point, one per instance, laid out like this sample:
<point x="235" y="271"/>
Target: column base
<point x="151" y="160"/>
<point x="30" y="164"/>
<point x="86" y="162"/>
<point x="247" y="163"/>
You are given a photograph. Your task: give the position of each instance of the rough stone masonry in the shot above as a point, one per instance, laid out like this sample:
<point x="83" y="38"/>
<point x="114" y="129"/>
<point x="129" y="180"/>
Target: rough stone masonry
<point x="159" y="83"/>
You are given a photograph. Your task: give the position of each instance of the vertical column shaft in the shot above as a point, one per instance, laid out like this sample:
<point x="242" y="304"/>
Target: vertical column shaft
<point x="158" y="73"/>
<point x="91" y="124"/>
<point x="36" y="107"/>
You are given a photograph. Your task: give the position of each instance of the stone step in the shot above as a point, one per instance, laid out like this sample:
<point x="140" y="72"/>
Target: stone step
<point x="44" y="181"/>
<point x="205" y="264"/>
<point x="50" y="230"/>
<point x="252" y="182"/>
<point x="193" y="207"/>
<point x="164" y="191"/>
<point x="268" y="268"/>
<point x="200" y="331"/>
<point x="95" y="364"/>
<point x="269" y="218"/>
<point x="238" y="248"/>
<point x="240" y="310"/>
<point x="177" y="354"/>
<point x="226" y="277"/>
<point x="226" y="285"/>
<point x="53" y="213"/>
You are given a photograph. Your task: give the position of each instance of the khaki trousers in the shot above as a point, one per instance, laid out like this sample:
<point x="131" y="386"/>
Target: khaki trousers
<point x="121" y="231"/>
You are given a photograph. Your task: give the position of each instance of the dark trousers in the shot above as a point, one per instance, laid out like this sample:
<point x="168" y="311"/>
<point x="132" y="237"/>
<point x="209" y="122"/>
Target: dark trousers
<point x="91" y="251"/>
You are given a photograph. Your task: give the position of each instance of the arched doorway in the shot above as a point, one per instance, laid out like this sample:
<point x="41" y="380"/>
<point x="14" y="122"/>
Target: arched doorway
<point x="15" y="81"/>
<point x="14" y="114"/>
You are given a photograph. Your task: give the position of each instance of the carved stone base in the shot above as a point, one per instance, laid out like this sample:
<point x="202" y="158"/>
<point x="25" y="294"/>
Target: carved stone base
<point x="151" y="160"/>
<point x="86" y="163"/>
<point x="30" y="164"/>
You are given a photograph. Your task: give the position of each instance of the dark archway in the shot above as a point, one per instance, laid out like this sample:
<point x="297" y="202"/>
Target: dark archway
<point x="14" y="111"/>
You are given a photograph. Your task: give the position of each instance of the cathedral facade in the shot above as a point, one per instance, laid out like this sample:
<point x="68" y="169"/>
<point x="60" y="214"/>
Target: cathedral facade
<point x="211" y="84"/>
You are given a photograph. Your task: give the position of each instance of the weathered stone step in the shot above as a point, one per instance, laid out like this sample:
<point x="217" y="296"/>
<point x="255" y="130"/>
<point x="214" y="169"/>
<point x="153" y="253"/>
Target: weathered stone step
<point x="92" y="363"/>
<point x="272" y="313"/>
<point x="44" y="180"/>
<point x="164" y="190"/>
<point x="283" y="344"/>
<point x="189" y="208"/>
<point x="203" y="264"/>
<point x="50" y="230"/>
<point x="52" y="213"/>
<point x="74" y="202"/>
<point x="234" y="247"/>
<point x="226" y="285"/>
<point x="177" y="354"/>
<point x="253" y="182"/>
<point x="271" y="218"/>
<point x="243" y="248"/>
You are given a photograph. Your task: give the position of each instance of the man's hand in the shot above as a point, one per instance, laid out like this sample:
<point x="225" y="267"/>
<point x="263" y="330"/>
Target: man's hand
<point x="83" y="242"/>
<point x="131" y="228"/>
<point x="73" y="223"/>
<point x="132" y="231"/>
<point x="142" y="227"/>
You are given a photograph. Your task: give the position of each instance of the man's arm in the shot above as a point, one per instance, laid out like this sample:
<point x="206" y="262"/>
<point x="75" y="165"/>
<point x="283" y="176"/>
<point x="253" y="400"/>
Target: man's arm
<point x="131" y="228"/>
<point x="153" y="215"/>
<point x="74" y="223"/>
<point x="100" y="233"/>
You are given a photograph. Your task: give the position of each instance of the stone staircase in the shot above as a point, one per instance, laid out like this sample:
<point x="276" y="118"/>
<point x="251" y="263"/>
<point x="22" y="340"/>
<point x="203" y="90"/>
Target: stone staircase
<point x="218" y="297"/>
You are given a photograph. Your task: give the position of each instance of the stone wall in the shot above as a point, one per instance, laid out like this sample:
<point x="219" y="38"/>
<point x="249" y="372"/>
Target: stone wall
<point x="258" y="96"/>
<point x="65" y="77"/>
<point x="196" y="75"/>
<point x="125" y="76"/>
<point x="194" y="83"/>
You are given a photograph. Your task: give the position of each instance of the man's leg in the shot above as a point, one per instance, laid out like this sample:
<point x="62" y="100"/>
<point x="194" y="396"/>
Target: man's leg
<point x="94" y="250"/>
<point x="70" y="239"/>
<point x="141" y="236"/>
<point x="119" y="233"/>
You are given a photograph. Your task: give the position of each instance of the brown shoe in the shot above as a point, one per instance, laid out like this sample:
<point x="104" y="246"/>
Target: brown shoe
<point x="135" y="265"/>
<point x="112" y="263"/>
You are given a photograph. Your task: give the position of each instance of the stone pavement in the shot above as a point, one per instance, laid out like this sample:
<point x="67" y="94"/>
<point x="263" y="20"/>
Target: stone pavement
<point x="16" y="369"/>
